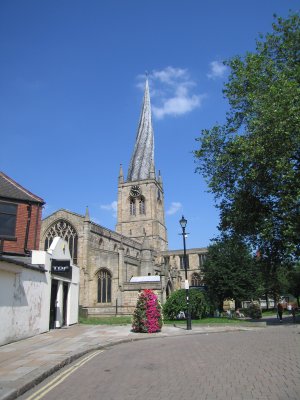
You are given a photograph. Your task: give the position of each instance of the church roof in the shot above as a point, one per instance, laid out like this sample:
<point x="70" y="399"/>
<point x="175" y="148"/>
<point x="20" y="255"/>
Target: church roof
<point x="10" y="189"/>
<point x="143" y="155"/>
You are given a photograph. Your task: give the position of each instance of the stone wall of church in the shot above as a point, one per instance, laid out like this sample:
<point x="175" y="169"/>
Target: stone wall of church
<point x="74" y="219"/>
<point x="150" y="223"/>
<point x="126" y="300"/>
<point x="100" y="249"/>
<point x="128" y="297"/>
<point x="174" y="263"/>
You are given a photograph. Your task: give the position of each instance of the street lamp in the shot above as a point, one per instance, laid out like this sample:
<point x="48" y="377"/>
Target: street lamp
<point x="183" y="223"/>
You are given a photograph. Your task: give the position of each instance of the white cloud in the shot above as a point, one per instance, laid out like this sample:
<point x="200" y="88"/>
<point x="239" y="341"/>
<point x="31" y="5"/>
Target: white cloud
<point x="111" y="207"/>
<point x="170" y="75"/>
<point x="217" y="70"/>
<point x="177" y="105"/>
<point x="171" y="92"/>
<point x="174" y="207"/>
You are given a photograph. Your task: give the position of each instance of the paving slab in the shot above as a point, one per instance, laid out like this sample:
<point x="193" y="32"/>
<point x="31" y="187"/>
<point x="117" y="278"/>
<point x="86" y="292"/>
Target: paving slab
<point x="27" y="362"/>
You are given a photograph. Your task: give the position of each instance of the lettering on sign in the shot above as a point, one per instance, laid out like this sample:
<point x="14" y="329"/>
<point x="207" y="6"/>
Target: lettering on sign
<point x="61" y="268"/>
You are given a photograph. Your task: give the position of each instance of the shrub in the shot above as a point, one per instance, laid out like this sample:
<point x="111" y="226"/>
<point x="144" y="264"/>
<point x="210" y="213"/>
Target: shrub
<point x="176" y="302"/>
<point x="254" y="310"/>
<point x="147" y="315"/>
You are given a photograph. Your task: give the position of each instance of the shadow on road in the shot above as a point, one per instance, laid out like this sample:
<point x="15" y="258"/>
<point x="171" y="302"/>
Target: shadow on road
<point x="273" y="320"/>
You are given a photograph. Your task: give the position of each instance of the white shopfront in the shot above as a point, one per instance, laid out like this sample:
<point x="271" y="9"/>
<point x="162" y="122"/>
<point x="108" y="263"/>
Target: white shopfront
<point x="64" y="283"/>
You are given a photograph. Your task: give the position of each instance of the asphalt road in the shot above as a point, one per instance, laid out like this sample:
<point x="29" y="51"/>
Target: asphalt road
<point x="262" y="364"/>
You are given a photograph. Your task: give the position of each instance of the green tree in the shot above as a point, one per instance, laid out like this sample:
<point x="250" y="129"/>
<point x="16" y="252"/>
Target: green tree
<point x="176" y="302"/>
<point x="275" y="281"/>
<point x="251" y="162"/>
<point x="294" y="282"/>
<point x="230" y="272"/>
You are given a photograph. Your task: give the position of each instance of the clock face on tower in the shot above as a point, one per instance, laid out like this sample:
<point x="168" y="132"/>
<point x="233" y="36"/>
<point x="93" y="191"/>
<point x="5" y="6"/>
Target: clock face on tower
<point x="135" y="191"/>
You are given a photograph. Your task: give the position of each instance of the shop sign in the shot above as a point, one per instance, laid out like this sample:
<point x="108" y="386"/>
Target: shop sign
<point x="61" y="268"/>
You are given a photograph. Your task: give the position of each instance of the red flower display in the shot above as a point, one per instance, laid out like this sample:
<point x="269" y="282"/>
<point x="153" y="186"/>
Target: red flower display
<point x="147" y="314"/>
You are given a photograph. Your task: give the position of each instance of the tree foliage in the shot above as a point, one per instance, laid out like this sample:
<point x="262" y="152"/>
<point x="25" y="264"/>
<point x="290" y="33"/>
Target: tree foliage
<point x="252" y="161"/>
<point x="294" y="282"/>
<point x="230" y="272"/>
<point x="176" y="302"/>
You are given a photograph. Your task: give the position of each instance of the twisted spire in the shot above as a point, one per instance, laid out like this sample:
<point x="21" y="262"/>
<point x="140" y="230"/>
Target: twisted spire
<point x="142" y="159"/>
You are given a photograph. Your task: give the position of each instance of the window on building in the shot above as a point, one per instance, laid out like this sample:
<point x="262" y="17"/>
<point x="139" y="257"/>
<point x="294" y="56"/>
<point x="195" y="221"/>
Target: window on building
<point x="104" y="286"/>
<point x="182" y="261"/>
<point x="202" y="258"/>
<point x="142" y="206"/>
<point x="8" y="218"/>
<point x="196" y="280"/>
<point x="66" y="231"/>
<point x="167" y="260"/>
<point x="158" y="195"/>
<point x="132" y="207"/>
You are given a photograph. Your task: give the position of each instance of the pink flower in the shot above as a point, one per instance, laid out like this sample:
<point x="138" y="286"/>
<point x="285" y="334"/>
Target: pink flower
<point x="147" y="316"/>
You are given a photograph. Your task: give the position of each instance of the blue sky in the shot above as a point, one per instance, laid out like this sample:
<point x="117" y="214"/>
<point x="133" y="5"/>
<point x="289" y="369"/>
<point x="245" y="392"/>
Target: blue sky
<point x="72" y="74"/>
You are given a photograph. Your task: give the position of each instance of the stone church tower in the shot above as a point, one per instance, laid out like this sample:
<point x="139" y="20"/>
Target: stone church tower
<point x="141" y="197"/>
<point x="116" y="265"/>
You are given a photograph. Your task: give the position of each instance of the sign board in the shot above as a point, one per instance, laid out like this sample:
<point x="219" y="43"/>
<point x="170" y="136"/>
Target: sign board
<point x="141" y="279"/>
<point x="61" y="268"/>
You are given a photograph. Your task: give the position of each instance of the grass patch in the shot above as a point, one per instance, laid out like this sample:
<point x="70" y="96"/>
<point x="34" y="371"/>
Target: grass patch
<point x="125" y="320"/>
<point x="273" y="313"/>
<point x="269" y="313"/>
<point x="208" y="321"/>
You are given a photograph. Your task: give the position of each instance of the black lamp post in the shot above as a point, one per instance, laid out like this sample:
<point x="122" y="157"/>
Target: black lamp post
<point x="183" y="223"/>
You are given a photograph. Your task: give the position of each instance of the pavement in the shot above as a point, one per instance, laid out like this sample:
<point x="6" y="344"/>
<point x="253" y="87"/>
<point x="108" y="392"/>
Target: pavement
<point x="26" y="363"/>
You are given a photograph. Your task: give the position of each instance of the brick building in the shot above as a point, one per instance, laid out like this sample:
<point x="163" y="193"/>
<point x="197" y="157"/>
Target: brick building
<point x="20" y="218"/>
<point x="28" y="302"/>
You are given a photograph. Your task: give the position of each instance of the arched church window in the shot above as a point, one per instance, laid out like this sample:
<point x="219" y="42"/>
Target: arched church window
<point x="104" y="286"/>
<point x="186" y="259"/>
<point x="158" y="195"/>
<point x="202" y="258"/>
<point x="132" y="207"/>
<point x="142" y="206"/>
<point x="67" y="232"/>
<point x="196" y="279"/>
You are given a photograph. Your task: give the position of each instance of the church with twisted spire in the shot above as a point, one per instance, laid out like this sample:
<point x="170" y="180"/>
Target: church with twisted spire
<point x="116" y="265"/>
<point x="141" y="197"/>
